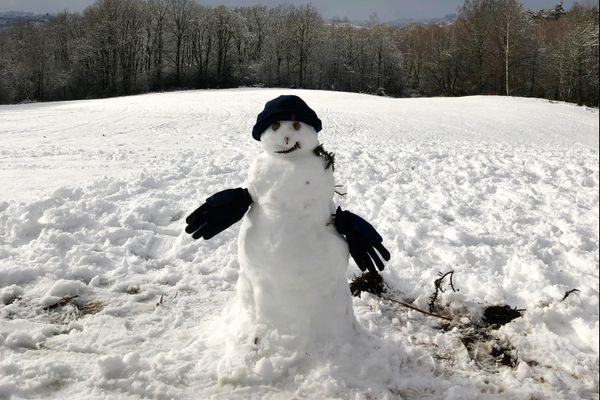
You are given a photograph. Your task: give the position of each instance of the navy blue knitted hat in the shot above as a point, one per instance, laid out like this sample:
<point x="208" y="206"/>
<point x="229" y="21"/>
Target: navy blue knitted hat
<point x="285" y="108"/>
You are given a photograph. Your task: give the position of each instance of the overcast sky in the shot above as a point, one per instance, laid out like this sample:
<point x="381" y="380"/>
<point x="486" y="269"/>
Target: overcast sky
<point x="354" y="9"/>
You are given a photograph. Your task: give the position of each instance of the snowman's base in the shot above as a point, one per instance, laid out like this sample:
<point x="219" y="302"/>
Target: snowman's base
<point x="275" y="358"/>
<point x="256" y="352"/>
<point x="260" y="356"/>
<point x="275" y="361"/>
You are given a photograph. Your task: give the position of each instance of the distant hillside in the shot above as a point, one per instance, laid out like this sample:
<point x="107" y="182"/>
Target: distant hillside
<point x="446" y="19"/>
<point x="11" y="18"/>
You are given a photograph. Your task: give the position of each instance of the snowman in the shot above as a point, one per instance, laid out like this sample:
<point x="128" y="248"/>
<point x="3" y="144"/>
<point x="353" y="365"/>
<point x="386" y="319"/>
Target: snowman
<point x="294" y="244"/>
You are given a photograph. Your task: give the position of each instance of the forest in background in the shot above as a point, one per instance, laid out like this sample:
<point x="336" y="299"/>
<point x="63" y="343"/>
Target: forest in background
<point x="120" y="47"/>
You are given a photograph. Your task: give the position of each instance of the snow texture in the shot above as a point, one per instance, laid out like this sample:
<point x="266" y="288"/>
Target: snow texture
<point x="102" y="294"/>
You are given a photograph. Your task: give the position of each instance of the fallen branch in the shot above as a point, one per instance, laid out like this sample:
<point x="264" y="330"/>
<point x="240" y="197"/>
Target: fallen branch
<point x="416" y="309"/>
<point x="568" y="292"/>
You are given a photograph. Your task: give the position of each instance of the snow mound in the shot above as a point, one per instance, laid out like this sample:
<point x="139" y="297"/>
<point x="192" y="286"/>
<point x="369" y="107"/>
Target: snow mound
<point x="97" y="278"/>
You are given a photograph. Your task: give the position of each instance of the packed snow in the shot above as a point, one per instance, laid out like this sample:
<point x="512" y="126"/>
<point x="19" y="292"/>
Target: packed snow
<point x="102" y="293"/>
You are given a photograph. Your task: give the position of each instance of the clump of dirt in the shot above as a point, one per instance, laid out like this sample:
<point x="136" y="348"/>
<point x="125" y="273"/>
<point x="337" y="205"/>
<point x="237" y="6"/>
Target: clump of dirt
<point x="487" y="349"/>
<point x="371" y="282"/>
<point x="505" y="355"/>
<point x="90" y="307"/>
<point x="481" y="340"/>
<point x="61" y="303"/>
<point x="500" y="315"/>
<point x="11" y="300"/>
<point x="132" y="290"/>
<point x="74" y="308"/>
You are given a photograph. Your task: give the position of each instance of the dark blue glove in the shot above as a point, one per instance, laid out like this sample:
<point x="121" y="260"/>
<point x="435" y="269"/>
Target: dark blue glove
<point x="220" y="211"/>
<point x="362" y="240"/>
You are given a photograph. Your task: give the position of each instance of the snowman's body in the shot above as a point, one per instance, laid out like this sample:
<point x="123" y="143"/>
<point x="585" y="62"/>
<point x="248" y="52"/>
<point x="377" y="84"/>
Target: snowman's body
<point x="293" y="302"/>
<point x="292" y="260"/>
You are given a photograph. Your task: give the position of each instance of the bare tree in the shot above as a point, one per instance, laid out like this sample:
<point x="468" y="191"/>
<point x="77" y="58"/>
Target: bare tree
<point x="156" y="17"/>
<point x="443" y="66"/>
<point x="227" y="24"/>
<point x="180" y="14"/>
<point x="304" y="23"/>
<point x="475" y="16"/>
<point x="201" y="41"/>
<point x="25" y="62"/>
<point x="578" y="54"/>
<point x="129" y="46"/>
<point x="509" y="17"/>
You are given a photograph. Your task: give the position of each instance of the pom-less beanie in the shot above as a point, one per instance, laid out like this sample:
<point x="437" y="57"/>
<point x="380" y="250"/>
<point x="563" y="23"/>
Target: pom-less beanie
<point x="285" y="108"/>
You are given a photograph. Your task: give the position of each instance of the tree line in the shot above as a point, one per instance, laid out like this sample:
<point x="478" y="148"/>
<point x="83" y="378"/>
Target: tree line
<point x="119" y="47"/>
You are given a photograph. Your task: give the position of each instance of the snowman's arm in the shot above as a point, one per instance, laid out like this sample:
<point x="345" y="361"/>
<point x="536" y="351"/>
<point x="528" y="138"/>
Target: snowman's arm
<point x="362" y="240"/>
<point x="219" y="212"/>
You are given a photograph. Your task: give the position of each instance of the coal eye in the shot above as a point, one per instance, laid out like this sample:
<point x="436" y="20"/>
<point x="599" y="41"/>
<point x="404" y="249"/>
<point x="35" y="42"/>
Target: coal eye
<point x="275" y="125"/>
<point x="297" y="126"/>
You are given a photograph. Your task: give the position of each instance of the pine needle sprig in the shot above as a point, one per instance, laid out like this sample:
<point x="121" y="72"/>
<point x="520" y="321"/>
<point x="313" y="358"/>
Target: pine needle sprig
<point x="326" y="155"/>
<point x="438" y="288"/>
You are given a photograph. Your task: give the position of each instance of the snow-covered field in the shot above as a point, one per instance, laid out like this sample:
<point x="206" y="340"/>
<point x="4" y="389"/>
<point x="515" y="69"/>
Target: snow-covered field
<point x="502" y="191"/>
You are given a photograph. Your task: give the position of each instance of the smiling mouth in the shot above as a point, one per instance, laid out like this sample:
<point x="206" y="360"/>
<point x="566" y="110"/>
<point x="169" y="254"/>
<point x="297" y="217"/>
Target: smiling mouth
<point x="293" y="148"/>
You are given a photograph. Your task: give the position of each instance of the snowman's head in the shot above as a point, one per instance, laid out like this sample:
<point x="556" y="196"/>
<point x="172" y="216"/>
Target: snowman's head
<point x="289" y="139"/>
<point x="287" y="127"/>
